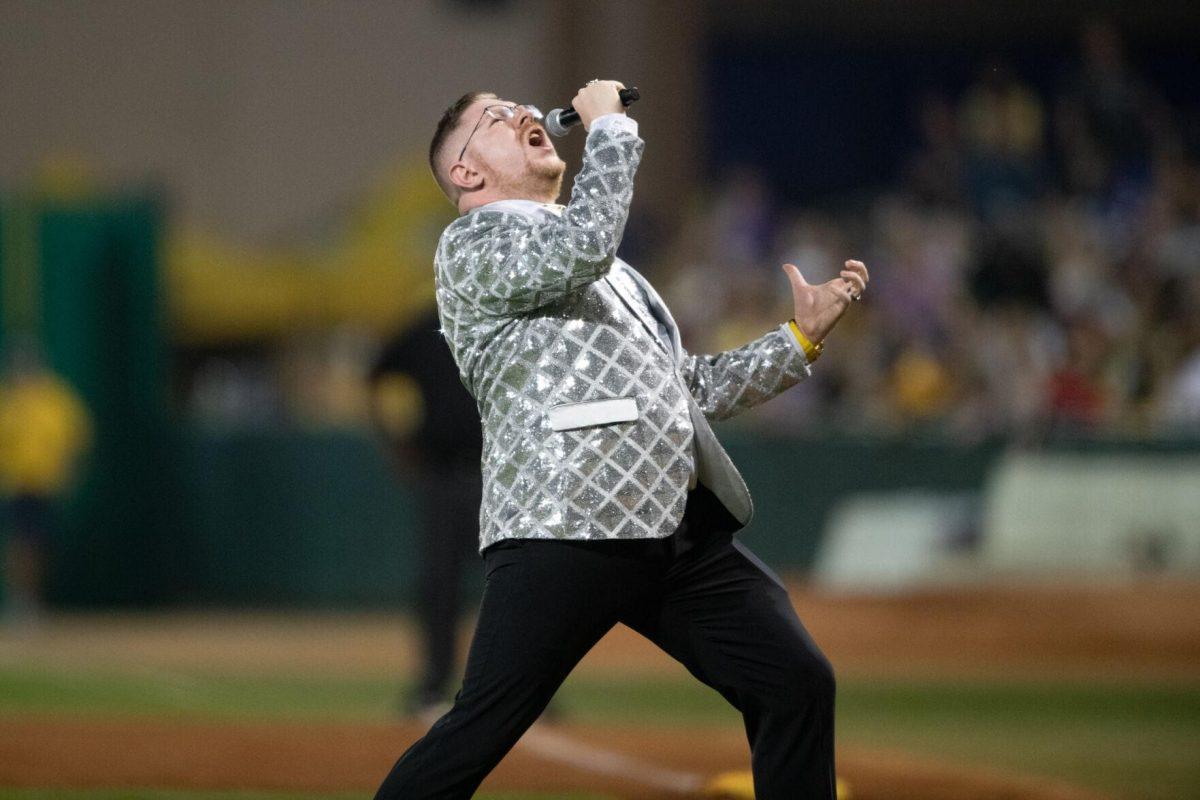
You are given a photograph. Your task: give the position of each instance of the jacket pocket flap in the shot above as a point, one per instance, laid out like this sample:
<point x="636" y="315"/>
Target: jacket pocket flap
<point x="569" y="416"/>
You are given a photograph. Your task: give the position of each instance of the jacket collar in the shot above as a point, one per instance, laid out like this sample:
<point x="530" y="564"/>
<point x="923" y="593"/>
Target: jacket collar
<point x="527" y="207"/>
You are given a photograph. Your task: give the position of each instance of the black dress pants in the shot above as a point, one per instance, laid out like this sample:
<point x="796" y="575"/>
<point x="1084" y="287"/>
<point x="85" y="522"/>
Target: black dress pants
<point x="698" y="594"/>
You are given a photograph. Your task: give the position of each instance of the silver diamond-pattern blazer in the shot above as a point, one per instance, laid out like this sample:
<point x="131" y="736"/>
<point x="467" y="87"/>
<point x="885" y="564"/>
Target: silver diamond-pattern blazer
<point x="594" y="427"/>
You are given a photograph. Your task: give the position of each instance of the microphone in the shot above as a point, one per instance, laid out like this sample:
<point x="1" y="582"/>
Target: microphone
<point x="560" y="120"/>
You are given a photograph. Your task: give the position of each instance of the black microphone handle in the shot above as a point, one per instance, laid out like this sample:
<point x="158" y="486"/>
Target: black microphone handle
<point x="570" y="116"/>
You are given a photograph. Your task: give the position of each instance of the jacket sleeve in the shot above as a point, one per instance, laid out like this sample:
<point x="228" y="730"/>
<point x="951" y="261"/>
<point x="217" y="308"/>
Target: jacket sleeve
<point x="735" y="380"/>
<point x="503" y="264"/>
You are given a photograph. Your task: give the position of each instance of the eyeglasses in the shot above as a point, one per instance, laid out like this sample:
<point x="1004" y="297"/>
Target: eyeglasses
<point x="500" y="112"/>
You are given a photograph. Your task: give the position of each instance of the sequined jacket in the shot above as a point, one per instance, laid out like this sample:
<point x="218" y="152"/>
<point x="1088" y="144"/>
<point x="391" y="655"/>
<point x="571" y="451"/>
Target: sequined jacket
<point x="595" y="418"/>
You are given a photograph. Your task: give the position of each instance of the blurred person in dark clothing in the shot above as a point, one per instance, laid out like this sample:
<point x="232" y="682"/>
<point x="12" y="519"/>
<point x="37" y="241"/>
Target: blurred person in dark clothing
<point x="431" y="426"/>
<point x="936" y="172"/>
<point x="1108" y="121"/>
<point x="44" y="429"/>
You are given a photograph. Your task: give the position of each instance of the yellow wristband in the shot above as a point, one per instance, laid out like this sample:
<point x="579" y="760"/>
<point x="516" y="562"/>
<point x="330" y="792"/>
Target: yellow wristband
<point x="811" y="351"/>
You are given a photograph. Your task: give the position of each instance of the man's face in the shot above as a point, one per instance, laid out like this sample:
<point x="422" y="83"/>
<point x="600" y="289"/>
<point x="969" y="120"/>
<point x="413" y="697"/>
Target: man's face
<point x="515" y="156"/>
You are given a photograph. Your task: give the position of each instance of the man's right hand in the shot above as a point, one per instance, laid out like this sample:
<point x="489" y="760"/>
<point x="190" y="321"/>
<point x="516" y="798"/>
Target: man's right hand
<point x="819" y="307"/>
<point x="597" y="99"/>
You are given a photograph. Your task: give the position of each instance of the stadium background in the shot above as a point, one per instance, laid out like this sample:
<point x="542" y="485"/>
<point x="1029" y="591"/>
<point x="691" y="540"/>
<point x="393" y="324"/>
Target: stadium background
<point x="211" y="215"/>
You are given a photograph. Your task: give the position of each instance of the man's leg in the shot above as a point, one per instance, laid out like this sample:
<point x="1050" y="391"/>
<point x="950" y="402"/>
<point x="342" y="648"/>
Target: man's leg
<point x="450" y="534"/>
<point x="25" y="558"/>
<point x="545" y="604"/>
<point x="727" y="618"/>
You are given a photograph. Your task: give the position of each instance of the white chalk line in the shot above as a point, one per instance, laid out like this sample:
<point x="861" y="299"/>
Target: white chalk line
<point x="541" y="740"/>
<point x="554" y="745"/>
<point x="546" y="742"/>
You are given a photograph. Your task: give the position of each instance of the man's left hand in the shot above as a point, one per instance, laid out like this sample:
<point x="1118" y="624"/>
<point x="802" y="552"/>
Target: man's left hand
<point x="819" y="307"/>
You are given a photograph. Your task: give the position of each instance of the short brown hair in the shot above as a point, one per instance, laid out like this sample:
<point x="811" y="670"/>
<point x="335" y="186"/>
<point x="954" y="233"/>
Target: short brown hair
<point x="446" y="126"/>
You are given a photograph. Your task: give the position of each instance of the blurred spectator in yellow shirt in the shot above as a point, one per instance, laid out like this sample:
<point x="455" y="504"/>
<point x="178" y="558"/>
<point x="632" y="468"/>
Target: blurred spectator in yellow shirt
<point x="1003" y="125"/>
<point x="44" y="429"/>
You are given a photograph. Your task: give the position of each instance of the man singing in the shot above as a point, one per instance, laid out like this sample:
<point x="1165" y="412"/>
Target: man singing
<point x="606" y="496"/>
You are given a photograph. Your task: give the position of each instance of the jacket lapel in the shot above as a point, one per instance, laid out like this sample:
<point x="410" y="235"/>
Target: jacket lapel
<point x="631" y="295"/>
<point x="659" y="309"/>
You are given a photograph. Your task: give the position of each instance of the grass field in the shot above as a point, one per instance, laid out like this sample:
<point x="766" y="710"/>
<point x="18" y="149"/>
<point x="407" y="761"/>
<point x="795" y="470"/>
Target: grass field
<point x="1124" y="737"/>
<point x="1149" y="734"/>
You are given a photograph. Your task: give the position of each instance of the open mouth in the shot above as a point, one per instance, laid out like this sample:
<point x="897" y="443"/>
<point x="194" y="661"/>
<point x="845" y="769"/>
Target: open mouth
<point x="537" y="137"/>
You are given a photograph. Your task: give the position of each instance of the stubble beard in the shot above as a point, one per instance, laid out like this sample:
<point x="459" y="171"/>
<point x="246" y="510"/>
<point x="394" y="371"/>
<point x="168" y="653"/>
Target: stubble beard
<point x="551" y="174"/>
<point x="540" y="180"/>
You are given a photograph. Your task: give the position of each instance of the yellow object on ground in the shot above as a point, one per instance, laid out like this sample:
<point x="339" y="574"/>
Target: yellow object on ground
<point x="731" y="786"/>
<point x="739" y="785"/>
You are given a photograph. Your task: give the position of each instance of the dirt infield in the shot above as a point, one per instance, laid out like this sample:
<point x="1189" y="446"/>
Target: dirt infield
<point x="153" y="753"/>
<point x="1147" y="630"/>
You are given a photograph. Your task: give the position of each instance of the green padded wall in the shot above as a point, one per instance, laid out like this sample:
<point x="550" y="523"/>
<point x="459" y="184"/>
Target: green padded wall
<point x="291" y="518"/>
<point x="102" y="330"/>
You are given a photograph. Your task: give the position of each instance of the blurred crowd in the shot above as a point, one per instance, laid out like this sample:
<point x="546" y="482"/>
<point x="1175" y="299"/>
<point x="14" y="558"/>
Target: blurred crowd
<point x="1035" y="266"/>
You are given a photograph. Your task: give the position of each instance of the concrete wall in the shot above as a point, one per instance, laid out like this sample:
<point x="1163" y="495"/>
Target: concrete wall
<point x="261" y="118"/>
<point x="1094" y="514"/>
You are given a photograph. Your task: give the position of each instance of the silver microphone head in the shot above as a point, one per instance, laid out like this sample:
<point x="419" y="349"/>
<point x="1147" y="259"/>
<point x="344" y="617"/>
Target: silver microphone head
<point x="553" y="126"/>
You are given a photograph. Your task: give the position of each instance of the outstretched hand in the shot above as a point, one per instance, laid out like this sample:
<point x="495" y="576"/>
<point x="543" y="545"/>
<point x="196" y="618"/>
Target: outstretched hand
<point x="819" y="307"/>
